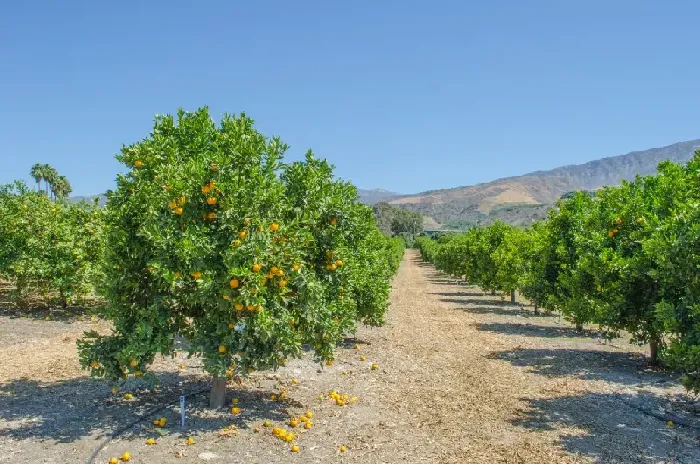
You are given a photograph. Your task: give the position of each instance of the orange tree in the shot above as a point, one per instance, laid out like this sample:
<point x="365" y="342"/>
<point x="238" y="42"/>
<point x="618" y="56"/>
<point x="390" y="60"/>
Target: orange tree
<point x="675" y="242"/>
<point x="212" y="237"/>
<point x="48" y="248"/>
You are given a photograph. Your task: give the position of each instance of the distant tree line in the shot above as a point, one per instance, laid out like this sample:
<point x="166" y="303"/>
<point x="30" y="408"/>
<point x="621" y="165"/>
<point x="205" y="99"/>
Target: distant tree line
<point x="393" y="220"/>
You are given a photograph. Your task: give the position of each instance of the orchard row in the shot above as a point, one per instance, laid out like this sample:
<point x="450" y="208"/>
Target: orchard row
<point x="626" y="259"/>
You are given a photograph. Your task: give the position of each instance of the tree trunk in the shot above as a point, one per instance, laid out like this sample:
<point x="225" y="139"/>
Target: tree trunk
<point x="537" y="310"/>
<point x="512" y="296"/>
<point x="493" y="292"/>
<point x="654" y="350"/>
<point x="217" y="396"/>
<point x="579" y="327"/>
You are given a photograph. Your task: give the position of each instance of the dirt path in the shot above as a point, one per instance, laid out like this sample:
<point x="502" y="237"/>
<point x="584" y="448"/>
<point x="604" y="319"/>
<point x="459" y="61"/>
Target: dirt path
<point x="462" y="378"/>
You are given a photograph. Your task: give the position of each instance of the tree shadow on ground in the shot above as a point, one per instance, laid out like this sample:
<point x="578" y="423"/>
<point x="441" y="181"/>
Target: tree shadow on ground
<point x="350" y="342"/>
<point x="40" y="310"/>
<point x="533" y="330"/>
<point x="68" y="410"/>
<point x="587" y="364"/>
<point x="615" y="427"/>
<point x="443" y="281"/>
<point x="500" y="310"/>
<point x="481" y="302"/>
<point x="459" y="294"/>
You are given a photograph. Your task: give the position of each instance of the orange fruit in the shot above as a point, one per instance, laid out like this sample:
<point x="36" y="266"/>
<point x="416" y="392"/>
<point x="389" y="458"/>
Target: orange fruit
<point x="295" y="449"/>
<point x="239" y="307"/>
<point x="295" y="267"/>
<point x="196" y="275"/>
<point x="137" y="374"/>
<point x="190" y="441"/>
<point x="274" y="227"/>
<point x="150" y="441"/>
<point x="211" y="200"/>
<point x="172" y="205"/>
<point x="226" y="297"/>
<point x="126" y="456"/>
<point x="242" y="234"/>
<point x="289" y="437"/>
<point x="133" y="363"/>
<point x="235" y="411"/>
<point x="256" y="267"/>
<point x="309" y="414"/>
<point x="113" y="460"/>
<point x="230" y="325"/>
<point x="222" y="349"/>
<point x="282" y="283"/>
<point x="362" y="358"/>
<point x="211" y="216"/>
<point x="334" y="221"/>
<point x="374" y="367"/>
<point x="357" y="347"/>
<point x="293" y="422"/>
<point x="163" y="421"/>
<point x="342" y="449"/>
<point x="308" y="425"/>
<point x="206" y="189"/>
<point x="329" y="362"/>
<point x="267" y="423"/>
<point x="138" y="163"/>
<point x="234" y="283"/>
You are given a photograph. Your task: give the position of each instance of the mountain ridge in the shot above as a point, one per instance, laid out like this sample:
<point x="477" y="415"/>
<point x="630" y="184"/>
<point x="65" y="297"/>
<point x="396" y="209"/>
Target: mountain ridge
<point x="523" y="199"/>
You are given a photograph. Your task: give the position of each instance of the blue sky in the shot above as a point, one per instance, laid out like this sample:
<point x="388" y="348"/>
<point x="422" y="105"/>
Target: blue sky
<point x="403" y="95"/>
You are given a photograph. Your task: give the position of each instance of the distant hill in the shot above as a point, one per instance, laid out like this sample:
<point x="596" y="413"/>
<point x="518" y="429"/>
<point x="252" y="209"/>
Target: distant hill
<point x="102" y="199"/>
<point x="523" y="199"/>
<point x="371" y="197"/>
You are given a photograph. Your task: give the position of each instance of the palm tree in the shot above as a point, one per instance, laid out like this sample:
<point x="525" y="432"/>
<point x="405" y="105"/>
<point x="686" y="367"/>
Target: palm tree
<point x="50" y="176"/>
<point x="37" y="172"/>
<point x="67" y="188"/>
<point x="61" y="188"/>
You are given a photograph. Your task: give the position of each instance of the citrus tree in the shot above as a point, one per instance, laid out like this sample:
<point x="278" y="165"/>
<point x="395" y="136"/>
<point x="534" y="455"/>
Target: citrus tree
<point x="511" y="258"/>
<point x="675" y="242"/>
<point x="48" y="248"/>
<point x="211" y="236"/>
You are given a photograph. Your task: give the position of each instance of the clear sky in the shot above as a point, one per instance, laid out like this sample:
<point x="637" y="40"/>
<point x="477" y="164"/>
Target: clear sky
<point x="398" y="94"/>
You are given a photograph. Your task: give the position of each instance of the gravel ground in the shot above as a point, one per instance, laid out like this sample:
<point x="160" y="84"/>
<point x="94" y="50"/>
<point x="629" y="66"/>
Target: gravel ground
<point x="462" y="377"/>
